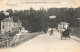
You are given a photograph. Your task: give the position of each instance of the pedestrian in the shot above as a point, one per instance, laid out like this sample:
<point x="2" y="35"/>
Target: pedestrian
<point x="46" y="30"/>
<point x="51" y="32"/>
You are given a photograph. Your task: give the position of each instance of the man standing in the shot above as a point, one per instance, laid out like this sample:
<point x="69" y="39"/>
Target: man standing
<point x="51" y="32"/>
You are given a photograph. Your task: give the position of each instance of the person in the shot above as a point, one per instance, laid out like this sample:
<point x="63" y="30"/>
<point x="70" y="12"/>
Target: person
<point x="51" y="32"/>
<point x="45" y="31"/>
<point x="67" y="31"/>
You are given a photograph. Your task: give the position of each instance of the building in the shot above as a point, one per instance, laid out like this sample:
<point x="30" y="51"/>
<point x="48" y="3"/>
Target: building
<point x="8" y="24"/>
<point x="51" y="17"/>
<point x="62" y="26"/>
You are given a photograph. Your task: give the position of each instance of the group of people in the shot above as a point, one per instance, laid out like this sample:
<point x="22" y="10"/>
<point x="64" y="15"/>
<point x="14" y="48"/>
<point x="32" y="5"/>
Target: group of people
<point x="64" y="33"/>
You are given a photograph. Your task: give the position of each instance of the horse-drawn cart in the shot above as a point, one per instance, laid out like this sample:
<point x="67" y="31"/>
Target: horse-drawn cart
<point x="65" y="34"/>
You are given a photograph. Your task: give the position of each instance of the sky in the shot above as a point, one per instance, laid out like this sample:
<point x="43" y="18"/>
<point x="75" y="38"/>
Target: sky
<point x="37" y="4"/>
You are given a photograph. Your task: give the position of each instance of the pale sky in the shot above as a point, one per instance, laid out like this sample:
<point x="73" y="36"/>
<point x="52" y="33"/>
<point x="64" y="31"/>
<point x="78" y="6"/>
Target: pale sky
<point x="26" y="4"/>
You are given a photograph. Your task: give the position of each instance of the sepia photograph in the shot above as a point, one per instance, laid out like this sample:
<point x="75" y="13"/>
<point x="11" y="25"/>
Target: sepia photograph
<point x="39" y="26"/>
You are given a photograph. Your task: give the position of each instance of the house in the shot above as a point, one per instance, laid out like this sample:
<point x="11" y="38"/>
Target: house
<point x="62" y="26"/>
<point x="8" y="24"/>
<point x="51" y="17"/>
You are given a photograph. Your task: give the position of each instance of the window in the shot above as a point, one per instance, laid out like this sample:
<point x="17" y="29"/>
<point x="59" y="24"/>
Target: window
<point x="3" y="27"/>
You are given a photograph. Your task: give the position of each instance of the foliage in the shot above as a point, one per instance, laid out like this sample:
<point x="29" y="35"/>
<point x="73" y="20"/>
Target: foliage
<point x="39" y="20"/>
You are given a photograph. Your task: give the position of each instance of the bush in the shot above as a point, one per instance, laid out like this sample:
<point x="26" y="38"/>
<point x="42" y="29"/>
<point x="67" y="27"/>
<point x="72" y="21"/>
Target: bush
<point x="76" y="31"/>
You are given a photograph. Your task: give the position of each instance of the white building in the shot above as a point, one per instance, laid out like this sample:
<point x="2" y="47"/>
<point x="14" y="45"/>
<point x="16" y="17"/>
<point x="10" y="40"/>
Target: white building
<point x="51" y="17"/>
<point x="62" y="26"/>
<point x="8" y="24"/>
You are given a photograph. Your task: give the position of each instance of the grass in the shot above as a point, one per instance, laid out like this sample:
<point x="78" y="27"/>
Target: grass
<point x="25" y="37"/>
<point x="4" y="43"/>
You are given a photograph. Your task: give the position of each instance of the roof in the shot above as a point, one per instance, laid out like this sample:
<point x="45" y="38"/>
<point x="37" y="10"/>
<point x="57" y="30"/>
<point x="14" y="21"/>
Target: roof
<point x="7" y="20"/>
<point x="63" y="23"/>
<point x="11" y="20"/>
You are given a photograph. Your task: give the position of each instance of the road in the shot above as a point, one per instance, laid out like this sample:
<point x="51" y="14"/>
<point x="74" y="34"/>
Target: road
<point x="45" y="43"/>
